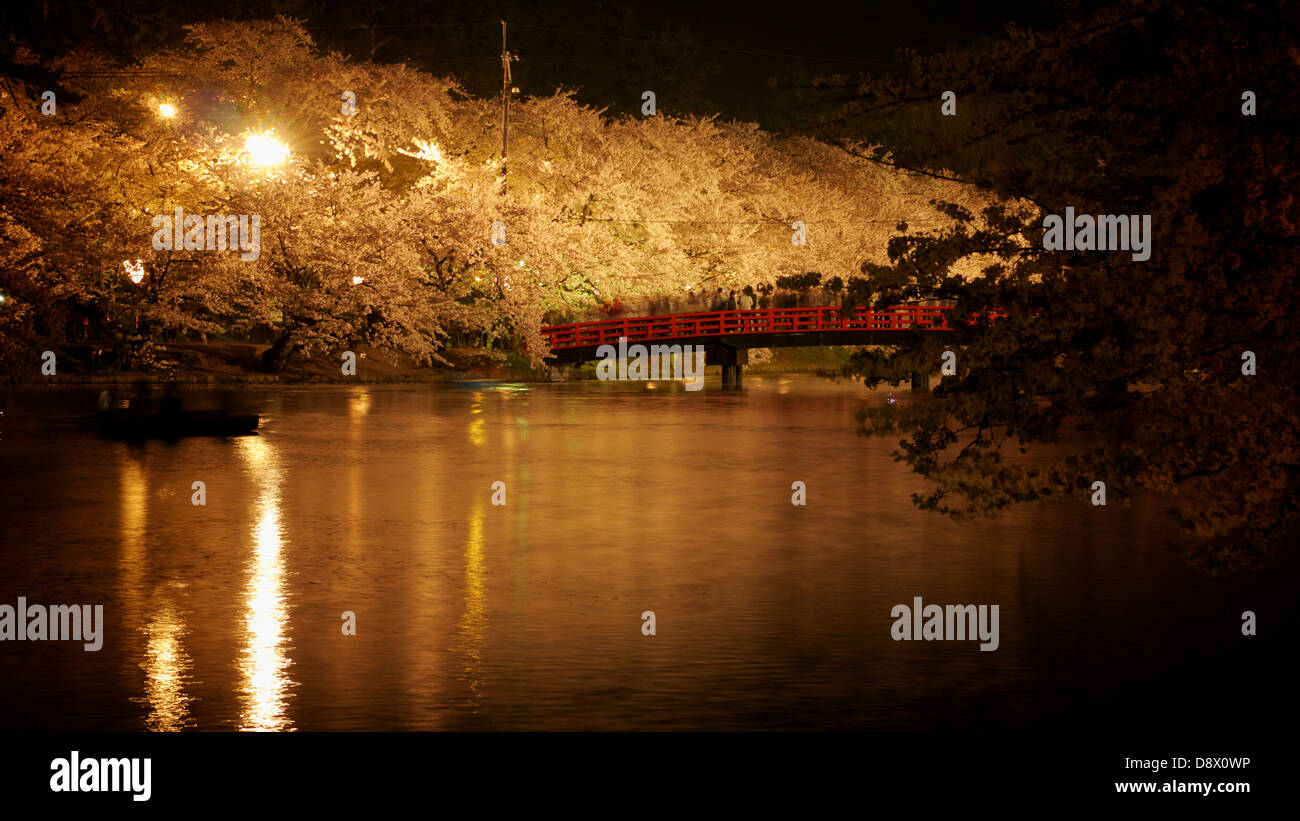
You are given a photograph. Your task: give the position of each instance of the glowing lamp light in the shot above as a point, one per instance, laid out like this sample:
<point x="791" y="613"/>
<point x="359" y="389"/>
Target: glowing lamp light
<point x="134" y="270"/>
<point x="166" y="111"/>
<point x="425" y="150"/>
<point x="265" y="150"/>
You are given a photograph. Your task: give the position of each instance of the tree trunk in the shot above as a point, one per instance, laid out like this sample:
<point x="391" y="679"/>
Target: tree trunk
<point x="276" y="357"/>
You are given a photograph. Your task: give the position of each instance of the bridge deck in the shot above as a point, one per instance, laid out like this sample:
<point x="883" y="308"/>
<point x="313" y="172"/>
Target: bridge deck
<point x="840" y="324"/>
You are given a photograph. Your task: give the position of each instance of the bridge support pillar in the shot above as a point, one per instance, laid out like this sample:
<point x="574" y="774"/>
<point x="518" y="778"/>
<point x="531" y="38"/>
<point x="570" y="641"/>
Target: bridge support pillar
<point x="733" y="377"/>
<point x="920" y="382"/>
<point x="732" y="360"/>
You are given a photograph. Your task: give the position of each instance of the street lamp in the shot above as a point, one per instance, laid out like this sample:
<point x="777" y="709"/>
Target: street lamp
<point x="265" y="150"/>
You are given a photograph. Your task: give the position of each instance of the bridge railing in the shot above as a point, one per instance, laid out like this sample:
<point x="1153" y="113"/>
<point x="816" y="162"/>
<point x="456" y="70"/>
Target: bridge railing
<point x="759" y="321"/>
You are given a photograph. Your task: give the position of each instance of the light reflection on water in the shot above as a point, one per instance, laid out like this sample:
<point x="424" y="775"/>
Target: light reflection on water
<point x="167" y="669"/>
<point x="472" y="627"/>
<point x="527" y="616"/>
<point x="263" y="663"/>
<point x="477" y="422"/>
<point x="165" y="663"/>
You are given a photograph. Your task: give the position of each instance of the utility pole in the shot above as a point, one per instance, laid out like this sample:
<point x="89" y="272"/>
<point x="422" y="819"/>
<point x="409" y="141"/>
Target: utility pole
<point x="505" y="104"/>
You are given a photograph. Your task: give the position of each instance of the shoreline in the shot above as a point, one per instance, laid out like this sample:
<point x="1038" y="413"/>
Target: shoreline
<point x="235" y="364"/>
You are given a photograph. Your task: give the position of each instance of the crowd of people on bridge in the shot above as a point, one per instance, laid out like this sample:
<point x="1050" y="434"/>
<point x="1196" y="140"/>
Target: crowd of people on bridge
<point x="701" y="300"/>
<point x="795" y="291"/>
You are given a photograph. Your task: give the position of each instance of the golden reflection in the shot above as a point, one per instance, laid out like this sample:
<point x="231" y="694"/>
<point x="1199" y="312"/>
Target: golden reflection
<point x="167" y="669"/>
<point x="508" y="439"/>
<point x="264" y="664"/>
<point x="358" y="405"/>
<point x="135" y="511"/>
<point x="165" y="664"/>
<point x="473" y="624"/>
<point x="478" y="424"/>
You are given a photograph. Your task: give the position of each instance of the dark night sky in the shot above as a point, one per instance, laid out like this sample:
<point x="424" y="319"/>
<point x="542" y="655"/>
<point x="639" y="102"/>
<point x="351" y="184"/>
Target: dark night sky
<point x="844" y="37"/>
<point x="606" y="50"/>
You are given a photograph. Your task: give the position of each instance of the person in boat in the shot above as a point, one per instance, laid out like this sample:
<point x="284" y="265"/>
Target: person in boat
<point x="171" y="404"/>
<point x="138" y="403"/>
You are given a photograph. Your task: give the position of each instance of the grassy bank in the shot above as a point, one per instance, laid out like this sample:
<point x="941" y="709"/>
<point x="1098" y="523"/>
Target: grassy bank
<point x="798" y="360"/>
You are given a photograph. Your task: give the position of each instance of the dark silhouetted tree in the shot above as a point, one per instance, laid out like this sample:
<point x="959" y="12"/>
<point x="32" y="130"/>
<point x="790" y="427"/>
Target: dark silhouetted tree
<point x="1133" y="109"/>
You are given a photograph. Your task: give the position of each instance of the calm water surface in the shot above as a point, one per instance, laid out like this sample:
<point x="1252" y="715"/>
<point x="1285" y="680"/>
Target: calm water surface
<point x="620" y="499"/>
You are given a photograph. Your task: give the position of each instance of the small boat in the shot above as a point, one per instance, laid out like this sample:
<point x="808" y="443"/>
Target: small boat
<point x="175" y="425"/>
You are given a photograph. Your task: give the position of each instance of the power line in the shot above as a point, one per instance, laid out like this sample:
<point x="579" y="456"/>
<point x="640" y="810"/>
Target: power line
<point x="128" y="74"/>
<point x="364" y="27"/>
<point x="754" y="222"/>
<point x="711" y="48"/>
<point x="698" y="46"/>
<point x="121" y="74"/>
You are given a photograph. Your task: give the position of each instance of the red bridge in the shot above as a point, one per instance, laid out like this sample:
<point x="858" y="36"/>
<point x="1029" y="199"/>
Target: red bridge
<point x="728" y="335"/>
